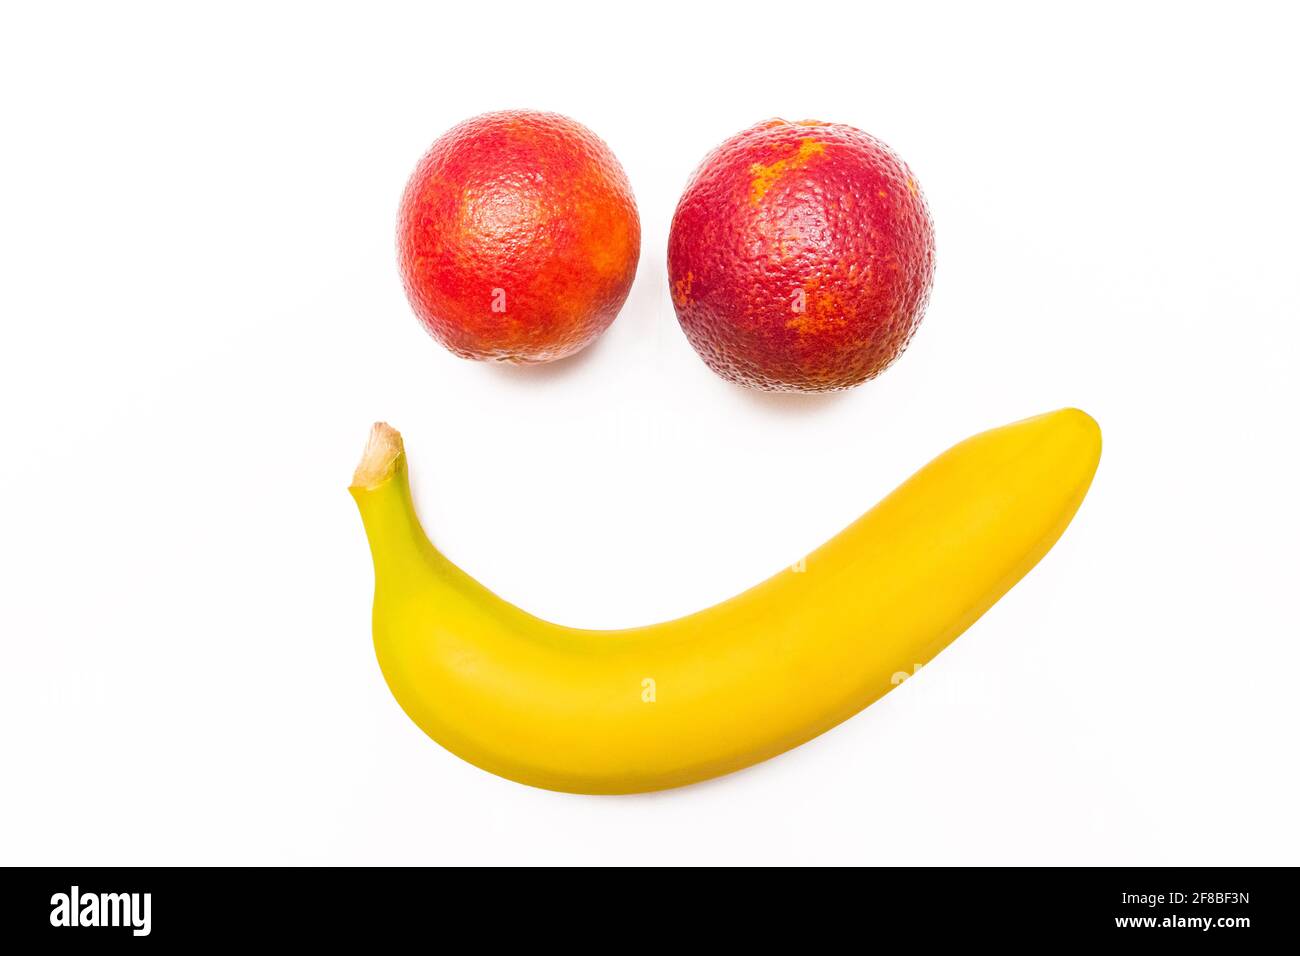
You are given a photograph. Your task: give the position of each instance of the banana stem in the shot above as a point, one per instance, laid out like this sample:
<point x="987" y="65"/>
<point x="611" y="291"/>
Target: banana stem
<point x="382" y="490"/>
<point x="384" y="449"/>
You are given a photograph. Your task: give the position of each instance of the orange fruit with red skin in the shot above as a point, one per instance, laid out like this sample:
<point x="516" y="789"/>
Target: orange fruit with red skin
<point x="800" y="257"/>
<point x="518" y="237"/>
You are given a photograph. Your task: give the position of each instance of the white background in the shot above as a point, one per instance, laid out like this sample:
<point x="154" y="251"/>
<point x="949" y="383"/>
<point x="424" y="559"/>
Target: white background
<point x="202" y="316"/>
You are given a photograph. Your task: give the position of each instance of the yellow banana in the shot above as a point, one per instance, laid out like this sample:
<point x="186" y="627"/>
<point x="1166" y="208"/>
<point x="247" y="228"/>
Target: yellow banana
<point x="648" y="708"/>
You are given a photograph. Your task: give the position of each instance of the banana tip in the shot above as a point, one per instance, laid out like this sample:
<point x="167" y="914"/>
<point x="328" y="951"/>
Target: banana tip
<point x="379" y="460"/>
<point x="1085" y="423"/>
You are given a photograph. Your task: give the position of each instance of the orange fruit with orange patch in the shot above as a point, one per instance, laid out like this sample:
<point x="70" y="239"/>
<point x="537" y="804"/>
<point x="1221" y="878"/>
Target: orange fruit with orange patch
<point x="518" y="237"/>
<point x="800" y="257"/>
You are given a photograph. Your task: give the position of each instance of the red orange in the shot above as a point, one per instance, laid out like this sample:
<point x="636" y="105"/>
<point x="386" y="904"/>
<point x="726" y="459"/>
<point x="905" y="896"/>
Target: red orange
<point x="518" y="237"/>
<point x="801" y="257"/>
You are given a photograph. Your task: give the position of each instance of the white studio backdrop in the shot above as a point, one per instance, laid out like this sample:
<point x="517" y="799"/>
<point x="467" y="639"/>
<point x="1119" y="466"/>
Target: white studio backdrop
<point x="202" y="316"/>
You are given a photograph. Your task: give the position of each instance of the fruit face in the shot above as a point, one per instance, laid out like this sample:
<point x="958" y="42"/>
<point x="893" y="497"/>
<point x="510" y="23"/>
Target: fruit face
<point x="801" y="257"/>
<point x="518" y="237"/>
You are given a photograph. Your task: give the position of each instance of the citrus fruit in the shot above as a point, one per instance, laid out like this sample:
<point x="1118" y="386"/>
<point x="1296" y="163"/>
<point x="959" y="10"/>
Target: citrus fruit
<point x="800" y="257"/>
<point x="518" y="237"/>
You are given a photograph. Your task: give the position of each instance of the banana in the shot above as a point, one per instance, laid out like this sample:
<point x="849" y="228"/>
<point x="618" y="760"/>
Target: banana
<point x="649" y="708"/>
